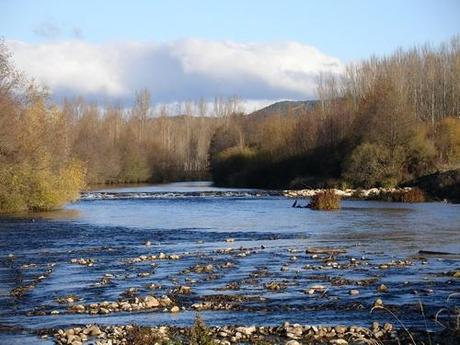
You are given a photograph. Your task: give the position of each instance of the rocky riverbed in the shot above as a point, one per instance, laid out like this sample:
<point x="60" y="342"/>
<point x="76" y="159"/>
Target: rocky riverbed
<point x="350" y="193"/>
<point x="287" y="334"/>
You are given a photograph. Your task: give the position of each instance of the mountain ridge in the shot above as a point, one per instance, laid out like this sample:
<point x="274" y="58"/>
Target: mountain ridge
<point x="284" y="108"/>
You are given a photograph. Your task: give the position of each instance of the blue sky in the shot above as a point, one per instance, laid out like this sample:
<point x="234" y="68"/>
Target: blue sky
<point x="347" y="30"/>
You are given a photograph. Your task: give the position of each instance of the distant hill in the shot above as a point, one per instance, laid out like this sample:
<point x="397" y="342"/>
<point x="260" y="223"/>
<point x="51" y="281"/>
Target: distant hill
<point x="283" y="107"/>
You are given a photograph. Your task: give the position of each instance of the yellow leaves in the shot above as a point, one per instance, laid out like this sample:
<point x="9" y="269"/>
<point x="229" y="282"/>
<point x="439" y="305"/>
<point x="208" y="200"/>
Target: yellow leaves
<point x="237" y="152"/>
<point x="26" y="187"/>
<point x="448" y="139"/>
<point x="39" y="173"/>
<point x="71" y="180"/>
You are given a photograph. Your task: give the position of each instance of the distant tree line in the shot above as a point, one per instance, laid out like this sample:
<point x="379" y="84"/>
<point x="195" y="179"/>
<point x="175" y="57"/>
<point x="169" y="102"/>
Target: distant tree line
<point x="383" y="122"/>
<point x="48" y="152"/>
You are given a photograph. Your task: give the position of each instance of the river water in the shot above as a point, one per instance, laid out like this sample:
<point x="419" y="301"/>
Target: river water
<point x="380" y="241"/>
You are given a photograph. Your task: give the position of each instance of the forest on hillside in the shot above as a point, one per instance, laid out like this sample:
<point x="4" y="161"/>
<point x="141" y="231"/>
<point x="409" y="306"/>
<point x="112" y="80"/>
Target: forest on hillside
<point x="385" y="121"/>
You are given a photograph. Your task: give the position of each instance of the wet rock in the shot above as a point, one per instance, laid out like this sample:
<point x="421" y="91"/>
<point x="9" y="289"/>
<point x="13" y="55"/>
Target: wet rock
<point x="275" y="286"/>
<point x="93" y="331"/>
<point x="354" y="292"/>
<point x="378" y="303"/>
<point x="340" y="329"/>
<point x="151" y="302"/>
<point x="315" y="289"/>
<point x="203" y="268"/>
<point x="103" y="310"/>
<point x="175" y="309"/>
<point x="185" y="290"/>
<point x="69" y="299"/>
<point x="232" y="286"/>
<point x="382" y="288"/>
<point x="143" y="258"/>
<point x="246" y="330"/>
<point x="165" y="301"/>
<point x="83" y="262"/>
<point x="79" y="308"/>
<point x="227" y="265"/>
<point x="375" y="326"/>
<point x="388" y="327"/>
<point x="153" y="286"/>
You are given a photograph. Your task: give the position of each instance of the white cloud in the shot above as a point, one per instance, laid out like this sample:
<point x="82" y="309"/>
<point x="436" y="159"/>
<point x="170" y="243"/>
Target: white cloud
<point x="176" y="70"/>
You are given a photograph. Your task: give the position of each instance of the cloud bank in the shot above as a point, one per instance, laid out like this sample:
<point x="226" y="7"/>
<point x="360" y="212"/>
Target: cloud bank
<point x="175" y="71"/>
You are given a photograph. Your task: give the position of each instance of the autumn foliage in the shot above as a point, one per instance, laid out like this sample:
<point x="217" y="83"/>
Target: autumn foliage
<point x="384" y="122"/>
<point x="412" y="195"/>
<point x="36" y="170"/>
<point x="326" y="200"/>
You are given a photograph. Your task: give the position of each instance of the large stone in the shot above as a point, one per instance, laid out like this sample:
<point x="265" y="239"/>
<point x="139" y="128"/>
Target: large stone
<point x="246" y="330"/>
<point x="292" y="342"/>
<point x="338" y="342"/>
<point x="94" y="331"/>
<point x="151" y="302"/>
<point x="340" y="329"/>
<point x="165" y="301"/>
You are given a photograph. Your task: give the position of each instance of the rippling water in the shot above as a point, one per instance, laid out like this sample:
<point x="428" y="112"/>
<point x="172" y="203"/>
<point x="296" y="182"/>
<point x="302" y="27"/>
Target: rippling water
<point x="194" y="220"/>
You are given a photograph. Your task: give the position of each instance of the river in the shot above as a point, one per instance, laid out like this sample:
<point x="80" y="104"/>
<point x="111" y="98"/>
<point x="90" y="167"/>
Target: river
<point x="198" y="222"/>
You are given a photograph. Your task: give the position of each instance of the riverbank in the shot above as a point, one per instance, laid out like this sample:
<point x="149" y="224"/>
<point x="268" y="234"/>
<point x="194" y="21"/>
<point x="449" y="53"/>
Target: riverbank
<point x="383" y="194"/>
<point x="287" y="334"/>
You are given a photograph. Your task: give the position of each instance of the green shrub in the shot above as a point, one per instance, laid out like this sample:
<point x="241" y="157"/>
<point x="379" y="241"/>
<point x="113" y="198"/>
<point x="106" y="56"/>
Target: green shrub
<point x="372" y="165"/>
<point x="325" y="200"/>
<point x="199" y="334"/>
<point x="141" y="336"/>
<point x="230" y="166"/>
